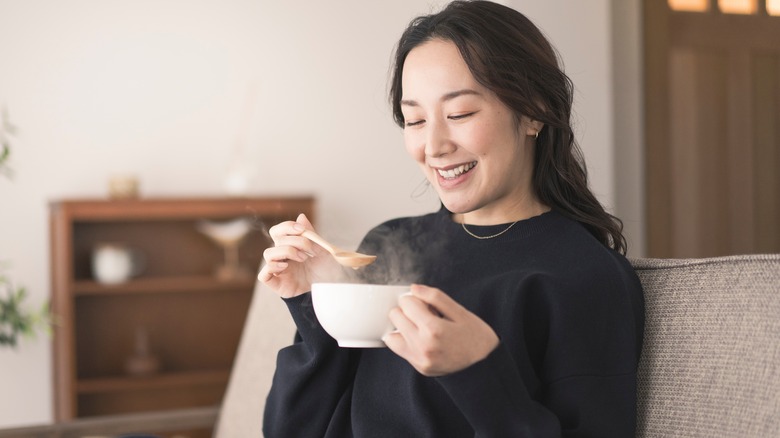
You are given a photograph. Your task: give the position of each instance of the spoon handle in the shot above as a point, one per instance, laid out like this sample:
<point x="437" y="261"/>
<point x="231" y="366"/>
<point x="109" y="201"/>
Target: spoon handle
<point x="316" y="238"/>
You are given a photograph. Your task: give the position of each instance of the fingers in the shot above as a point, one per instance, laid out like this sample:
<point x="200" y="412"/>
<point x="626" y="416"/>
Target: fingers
<point x="436" y="335"/>
<point x="277" y="266"/>
<point x="288" y="234"/>
<point x="400" y="319"/>
<point x="405" y="328"/>
<point x="288" y="246"/>
<point x="396" y="342"/>
<point x="417" y="312"/>
<point x="271" y="270"/>
<point x="287" y="269"/>
<point x="414" y="320"/>
<point x="284" y="253"/>
<point x="424" y="309"/>
<point x="296" y="227"/>
<point x="291" y="228"/>
<point x="286" y="228"/>
<point x="303" y="220"/>
<point x="442" y="304"/>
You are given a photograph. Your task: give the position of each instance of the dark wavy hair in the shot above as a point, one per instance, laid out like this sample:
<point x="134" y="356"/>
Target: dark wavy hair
<point x="510" y="56"/>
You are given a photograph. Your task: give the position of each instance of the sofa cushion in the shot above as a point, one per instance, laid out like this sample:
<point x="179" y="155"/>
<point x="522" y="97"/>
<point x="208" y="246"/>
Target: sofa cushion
<point x="268" y="328"/>
<point x="710" y="364"/>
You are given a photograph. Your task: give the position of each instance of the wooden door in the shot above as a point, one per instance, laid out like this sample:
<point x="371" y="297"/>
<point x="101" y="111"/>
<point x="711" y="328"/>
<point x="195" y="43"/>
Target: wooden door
<point x="712" y="127"/>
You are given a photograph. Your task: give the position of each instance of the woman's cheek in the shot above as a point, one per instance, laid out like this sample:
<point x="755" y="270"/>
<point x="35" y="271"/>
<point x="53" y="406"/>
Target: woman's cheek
<point x="475" y="138"/>
<point x="414" y="147"/>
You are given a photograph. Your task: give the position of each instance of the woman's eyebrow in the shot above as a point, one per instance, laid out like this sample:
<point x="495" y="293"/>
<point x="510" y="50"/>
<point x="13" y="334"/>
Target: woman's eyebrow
<point x="448" y="96"/>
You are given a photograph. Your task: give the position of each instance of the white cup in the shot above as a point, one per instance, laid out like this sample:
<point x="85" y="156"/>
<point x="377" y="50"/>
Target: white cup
<point x="114" y="263"/>
<point x="356" y="315"/>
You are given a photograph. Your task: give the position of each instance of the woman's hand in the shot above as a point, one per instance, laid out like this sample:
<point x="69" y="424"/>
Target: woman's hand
<point x="436" y="335"/>
<point x="295" y="262"/>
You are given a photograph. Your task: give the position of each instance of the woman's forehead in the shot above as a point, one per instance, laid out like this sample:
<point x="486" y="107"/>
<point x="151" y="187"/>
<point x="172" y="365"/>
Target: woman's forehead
<point x="437" y="67"/>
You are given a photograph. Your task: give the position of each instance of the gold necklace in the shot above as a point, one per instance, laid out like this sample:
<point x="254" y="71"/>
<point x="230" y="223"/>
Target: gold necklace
<point x="463" y="224"/>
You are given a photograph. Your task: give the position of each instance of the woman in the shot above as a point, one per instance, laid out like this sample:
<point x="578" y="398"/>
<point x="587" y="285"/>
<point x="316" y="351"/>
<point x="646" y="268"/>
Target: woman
<point x="525" y="318"/>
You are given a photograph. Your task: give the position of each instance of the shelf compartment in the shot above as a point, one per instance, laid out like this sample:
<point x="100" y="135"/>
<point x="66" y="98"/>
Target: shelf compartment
<point x="163" y="284"/>
<point x="159" y="381"/>
<point x="186" y="331"/>
<point x="167" y="247"/>
<point x="149" y="399"/>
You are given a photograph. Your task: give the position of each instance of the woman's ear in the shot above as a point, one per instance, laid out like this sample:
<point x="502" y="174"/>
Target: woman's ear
<point x="533" y="128"/>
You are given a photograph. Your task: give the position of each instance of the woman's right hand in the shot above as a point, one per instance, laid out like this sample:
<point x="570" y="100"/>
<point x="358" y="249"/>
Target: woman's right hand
<point x="295" y="262"/>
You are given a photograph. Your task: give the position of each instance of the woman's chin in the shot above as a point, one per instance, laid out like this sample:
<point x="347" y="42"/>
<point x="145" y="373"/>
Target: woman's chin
<point x="454" y="206"/>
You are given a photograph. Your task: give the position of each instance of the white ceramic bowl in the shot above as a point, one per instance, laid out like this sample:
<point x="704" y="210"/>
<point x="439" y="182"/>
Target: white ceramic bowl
<point x="356" y="315"/>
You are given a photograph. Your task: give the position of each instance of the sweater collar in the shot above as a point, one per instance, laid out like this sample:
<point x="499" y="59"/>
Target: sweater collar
<point x="521" y="230"/>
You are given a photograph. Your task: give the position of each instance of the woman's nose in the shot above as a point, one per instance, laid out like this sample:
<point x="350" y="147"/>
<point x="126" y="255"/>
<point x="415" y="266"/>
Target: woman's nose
<point x="438" y="141"/>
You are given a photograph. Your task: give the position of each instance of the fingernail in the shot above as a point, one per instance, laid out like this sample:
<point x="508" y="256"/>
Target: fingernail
<point x="298" y="227"/>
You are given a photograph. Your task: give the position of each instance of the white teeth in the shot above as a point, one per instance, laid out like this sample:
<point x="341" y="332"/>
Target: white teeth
<point x="452" y="173"/>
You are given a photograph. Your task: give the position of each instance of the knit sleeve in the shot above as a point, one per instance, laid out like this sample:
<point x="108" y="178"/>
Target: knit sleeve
<point x="313" y="379"/>
<point x="494" y="399"/>
<point x="590" y="364"/>
<point x="566" y="368"/>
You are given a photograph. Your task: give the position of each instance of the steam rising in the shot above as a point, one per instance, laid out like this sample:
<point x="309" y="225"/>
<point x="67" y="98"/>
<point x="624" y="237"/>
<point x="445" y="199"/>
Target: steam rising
<point x="405" y="253"/>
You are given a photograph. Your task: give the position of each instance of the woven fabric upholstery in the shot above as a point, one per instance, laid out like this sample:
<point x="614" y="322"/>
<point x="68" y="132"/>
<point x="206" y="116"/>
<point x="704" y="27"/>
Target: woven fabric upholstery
<point x="268" y="328"/>
<point x="710" y="365"/>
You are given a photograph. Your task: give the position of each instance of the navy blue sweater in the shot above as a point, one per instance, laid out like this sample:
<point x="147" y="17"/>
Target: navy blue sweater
<point x="569" y="313"/>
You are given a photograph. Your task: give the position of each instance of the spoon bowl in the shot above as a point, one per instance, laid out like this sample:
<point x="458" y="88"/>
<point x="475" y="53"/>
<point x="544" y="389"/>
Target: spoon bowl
<point x="349" y="259"/>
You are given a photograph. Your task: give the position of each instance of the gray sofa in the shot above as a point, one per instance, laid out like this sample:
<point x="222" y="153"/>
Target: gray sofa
<point x="710" y="365"/>
<point x="711" y="361"/>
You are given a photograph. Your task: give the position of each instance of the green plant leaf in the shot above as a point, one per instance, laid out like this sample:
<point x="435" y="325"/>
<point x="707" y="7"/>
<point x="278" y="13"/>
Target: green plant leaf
<point x="15" y="320"/>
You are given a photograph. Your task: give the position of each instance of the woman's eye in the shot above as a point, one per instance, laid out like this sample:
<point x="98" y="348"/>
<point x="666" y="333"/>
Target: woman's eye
<point x="461" y="116"/>
<point x="410" y="123"/>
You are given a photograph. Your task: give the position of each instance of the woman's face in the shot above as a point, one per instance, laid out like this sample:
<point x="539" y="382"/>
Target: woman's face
<point x="467" y="142"/>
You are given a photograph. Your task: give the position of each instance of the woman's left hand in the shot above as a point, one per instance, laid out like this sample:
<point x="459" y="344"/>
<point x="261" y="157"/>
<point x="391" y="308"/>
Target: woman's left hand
<point x="436" y="335"/>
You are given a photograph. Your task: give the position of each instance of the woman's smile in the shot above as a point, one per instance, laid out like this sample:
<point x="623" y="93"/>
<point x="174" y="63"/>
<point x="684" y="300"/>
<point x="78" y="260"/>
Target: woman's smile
<point x="454" y="175"/>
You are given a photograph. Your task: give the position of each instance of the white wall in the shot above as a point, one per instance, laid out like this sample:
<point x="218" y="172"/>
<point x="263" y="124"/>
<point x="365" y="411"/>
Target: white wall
<point x="158" y="89"/>
<point x="628" y="101"/>
<point x="580" y="32"/>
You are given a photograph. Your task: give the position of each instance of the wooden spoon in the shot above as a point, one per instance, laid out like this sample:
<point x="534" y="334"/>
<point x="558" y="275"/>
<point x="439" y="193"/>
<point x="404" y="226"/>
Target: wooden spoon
<point x="344" y="258"/>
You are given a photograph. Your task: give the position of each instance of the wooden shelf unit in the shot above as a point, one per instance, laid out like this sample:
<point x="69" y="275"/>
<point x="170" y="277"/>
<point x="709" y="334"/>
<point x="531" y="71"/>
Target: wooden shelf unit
<point x="194" y="320"/>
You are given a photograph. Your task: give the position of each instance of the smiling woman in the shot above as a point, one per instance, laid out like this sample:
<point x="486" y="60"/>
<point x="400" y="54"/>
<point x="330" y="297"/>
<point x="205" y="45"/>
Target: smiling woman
<point x="524" y="318"/>
<point x="472" y="148"/>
